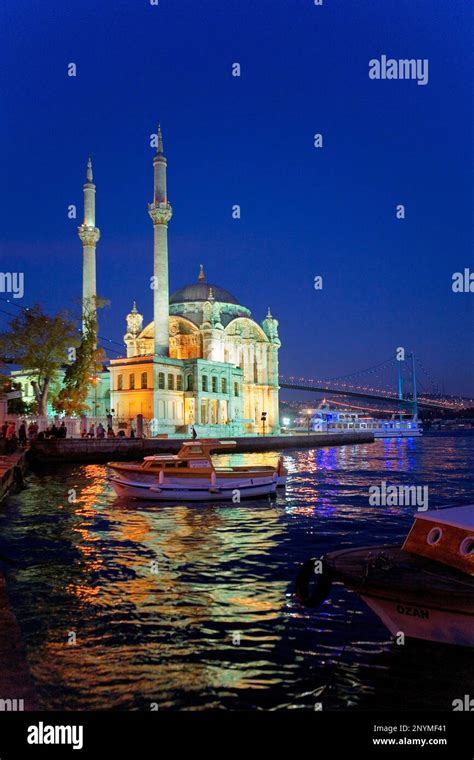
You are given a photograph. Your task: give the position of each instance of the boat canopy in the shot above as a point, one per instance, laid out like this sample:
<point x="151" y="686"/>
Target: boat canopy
<point x="194" y="449"/>
<point x="458" y="517"/>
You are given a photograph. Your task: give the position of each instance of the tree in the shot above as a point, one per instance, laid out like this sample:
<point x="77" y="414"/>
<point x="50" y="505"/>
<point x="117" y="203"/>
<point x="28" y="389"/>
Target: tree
<point x="83" y="372"/>
<point x="40" y="345"/>
<point x="18" y="405"/>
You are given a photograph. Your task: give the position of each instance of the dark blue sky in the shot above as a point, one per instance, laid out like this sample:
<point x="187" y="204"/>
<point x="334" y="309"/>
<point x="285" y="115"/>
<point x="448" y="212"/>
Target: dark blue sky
<point x="249" y="140"/>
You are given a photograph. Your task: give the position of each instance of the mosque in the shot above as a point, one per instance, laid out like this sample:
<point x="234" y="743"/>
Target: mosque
<point x="203" y="361"/>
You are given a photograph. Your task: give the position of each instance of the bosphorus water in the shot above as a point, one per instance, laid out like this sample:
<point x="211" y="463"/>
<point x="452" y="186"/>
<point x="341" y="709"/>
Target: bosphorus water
<point x="134" y="605"/>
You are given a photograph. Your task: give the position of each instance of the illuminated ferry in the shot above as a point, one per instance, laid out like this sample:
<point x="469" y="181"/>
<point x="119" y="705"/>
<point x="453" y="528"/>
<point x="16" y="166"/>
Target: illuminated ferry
<point x="328" y="420"/>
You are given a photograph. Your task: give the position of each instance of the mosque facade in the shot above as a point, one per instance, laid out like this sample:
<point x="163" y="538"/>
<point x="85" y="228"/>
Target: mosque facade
<point x="203" y="361"/>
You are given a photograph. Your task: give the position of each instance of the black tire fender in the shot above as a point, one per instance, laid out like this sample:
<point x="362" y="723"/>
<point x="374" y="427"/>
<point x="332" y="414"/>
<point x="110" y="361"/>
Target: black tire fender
<point x="312" y="588"/>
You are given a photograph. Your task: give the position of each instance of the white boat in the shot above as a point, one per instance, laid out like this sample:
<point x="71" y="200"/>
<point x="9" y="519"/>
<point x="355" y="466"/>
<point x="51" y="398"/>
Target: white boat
<point x="197" y="490"/>
<point x="193" y="465"/>
<point x="328" y="420"/>
<point x="423" y="589"/>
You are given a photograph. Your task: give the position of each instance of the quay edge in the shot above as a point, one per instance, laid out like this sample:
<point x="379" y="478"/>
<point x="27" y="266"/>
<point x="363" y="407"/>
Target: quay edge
<point x="96" y="451"/>
<point x="12" y="469"/>
<point x="17" y="688"/>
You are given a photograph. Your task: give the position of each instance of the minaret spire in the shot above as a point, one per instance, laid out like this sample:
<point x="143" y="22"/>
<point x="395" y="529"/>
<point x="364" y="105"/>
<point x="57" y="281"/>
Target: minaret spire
<point x="89" y="235"/>
<point x="160" y="212"/>
<point x="159" y="147"/>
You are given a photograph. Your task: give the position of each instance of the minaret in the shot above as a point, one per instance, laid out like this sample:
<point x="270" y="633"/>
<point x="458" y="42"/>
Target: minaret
<point x="160" y="213"/>
<point x="89" y="234"/>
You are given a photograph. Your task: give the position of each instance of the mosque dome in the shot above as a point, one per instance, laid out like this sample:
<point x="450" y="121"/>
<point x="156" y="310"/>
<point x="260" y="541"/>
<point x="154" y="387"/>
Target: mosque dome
<point x="202" y="291"/>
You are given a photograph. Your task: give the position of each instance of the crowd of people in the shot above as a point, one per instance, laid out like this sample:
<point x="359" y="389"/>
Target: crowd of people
<point x="14" y="438"/>
<point x="20" y="437"/>
<point x="100" y="432"/>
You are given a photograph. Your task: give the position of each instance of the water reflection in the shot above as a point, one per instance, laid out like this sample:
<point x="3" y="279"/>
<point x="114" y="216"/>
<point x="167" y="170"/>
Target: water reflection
<point x="191" y="605"/>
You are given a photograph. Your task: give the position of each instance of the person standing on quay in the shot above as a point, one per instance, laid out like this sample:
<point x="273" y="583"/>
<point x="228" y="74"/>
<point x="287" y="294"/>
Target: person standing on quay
<point x="22" y="434"/>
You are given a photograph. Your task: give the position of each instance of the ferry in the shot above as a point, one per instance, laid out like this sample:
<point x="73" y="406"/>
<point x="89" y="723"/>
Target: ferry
<point x="423" y="588"/>
<point x="329" y="420"/>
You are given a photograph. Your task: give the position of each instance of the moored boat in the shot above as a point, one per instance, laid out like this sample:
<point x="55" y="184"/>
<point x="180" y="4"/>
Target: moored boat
<point x="327" y="419"/>
<point x="211" y="491"/>
<point x="193" y="464"/>
<point x="423" y="588"/>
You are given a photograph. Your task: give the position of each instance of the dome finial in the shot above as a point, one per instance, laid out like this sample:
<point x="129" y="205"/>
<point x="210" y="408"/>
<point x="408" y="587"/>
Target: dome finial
<point x="211" y="295"/>
<point x="202" y="276"/>
<point x="269" y="315"/>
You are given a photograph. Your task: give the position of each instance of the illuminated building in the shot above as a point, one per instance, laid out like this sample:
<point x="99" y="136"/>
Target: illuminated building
<point x="203" y="361"/>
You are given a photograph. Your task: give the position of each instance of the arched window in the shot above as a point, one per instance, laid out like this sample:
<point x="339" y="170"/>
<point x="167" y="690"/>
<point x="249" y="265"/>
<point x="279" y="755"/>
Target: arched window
<point x="214" y="384"/>
<point x="179" y="383"/>
<point x="204" y="382"/>
<point x="190" y="383"/>
<point x="144" y="382"/>
<point x="171" y="383"/>
<point x="236" y="389"/>
<point x="132" y="382"/>
<point x="224" y="385"/>
<point x="120" y="382"/>
<point x="161" y="380"/>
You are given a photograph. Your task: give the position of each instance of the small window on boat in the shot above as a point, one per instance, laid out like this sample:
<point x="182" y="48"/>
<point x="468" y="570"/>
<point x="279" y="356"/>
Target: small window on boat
<point x="466" y="548"/>
<point x="434" y="536"/>
<point x="195" y="450"/>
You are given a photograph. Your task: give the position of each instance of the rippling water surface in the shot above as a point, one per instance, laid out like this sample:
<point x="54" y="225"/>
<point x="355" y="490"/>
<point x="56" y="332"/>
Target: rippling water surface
<point x="159" y="595"/>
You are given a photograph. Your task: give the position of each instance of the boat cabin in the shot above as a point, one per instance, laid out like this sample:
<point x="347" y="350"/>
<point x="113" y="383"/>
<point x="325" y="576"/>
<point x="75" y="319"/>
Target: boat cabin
<point x="444" y="535"/>
<point x="195" y="455"/>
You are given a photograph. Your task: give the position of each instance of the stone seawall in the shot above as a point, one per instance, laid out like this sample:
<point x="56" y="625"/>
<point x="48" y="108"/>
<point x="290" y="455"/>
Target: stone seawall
<point x="94" y="451"/>
<point x="12" y="468"/>
<point x="17" y="691"/>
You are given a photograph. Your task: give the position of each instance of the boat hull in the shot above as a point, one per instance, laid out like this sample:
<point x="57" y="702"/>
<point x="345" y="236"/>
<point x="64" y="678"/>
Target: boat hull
<point x="202" y="492"/>
<point x="423" y="621"/>
<point x="410" y="594"/>
<point x="397" y="433"/>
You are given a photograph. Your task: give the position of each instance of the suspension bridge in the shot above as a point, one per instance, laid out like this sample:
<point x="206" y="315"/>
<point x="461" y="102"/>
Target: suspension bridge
<point x="405" y="372"/>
